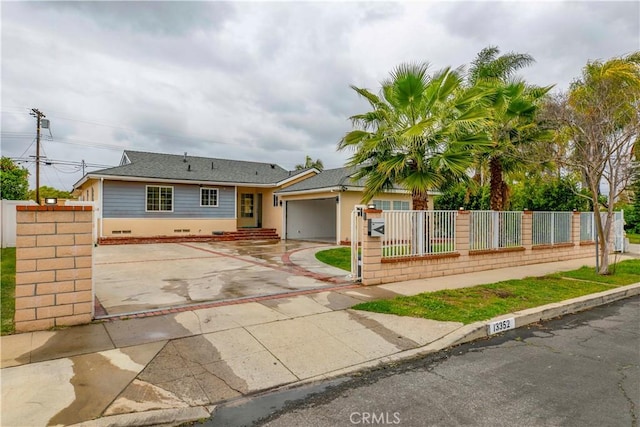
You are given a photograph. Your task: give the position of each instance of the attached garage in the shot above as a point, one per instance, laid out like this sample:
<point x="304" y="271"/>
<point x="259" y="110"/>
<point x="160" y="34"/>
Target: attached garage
<point x="311" y="219"/>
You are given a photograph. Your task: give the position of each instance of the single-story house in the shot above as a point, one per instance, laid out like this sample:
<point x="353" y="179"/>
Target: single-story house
<point x="154" y="194"/>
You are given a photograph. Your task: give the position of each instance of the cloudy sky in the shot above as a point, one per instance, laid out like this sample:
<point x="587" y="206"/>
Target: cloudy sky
<point x="263" y="81"/>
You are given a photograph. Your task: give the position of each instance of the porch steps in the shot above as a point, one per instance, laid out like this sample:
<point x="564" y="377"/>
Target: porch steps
<point x="225" y="236"/>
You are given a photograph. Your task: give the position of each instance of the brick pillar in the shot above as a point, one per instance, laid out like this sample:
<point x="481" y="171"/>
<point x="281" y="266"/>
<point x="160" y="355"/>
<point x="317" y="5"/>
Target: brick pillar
<point x="463" y="223"/>
<point x="371" y="251"/>
<point x="575" y="228"/>
<point x="54" y="250"/>
<point x="527" y="230"/>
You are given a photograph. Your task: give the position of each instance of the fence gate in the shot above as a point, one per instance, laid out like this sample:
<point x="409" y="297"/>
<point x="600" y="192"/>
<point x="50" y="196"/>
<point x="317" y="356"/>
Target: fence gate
<point x="618" y="231"/>
<point x="356" y="241"/>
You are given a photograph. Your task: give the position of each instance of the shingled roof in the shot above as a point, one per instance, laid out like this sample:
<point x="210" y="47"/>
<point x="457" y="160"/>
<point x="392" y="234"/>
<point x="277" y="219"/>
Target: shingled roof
<point x="327" y="179"/>
<point x="138" y="164"/>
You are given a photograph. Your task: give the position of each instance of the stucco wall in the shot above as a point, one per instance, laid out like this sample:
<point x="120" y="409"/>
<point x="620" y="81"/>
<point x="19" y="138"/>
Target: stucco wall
<point x="123" y="227"/>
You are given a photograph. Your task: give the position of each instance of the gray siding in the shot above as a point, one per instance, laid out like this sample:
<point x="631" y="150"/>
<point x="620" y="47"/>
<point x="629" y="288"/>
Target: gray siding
<point x="128" y="200"/>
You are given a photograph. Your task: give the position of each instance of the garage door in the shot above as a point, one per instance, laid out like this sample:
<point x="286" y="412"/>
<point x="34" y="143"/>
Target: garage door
<point x="311" y="219"/>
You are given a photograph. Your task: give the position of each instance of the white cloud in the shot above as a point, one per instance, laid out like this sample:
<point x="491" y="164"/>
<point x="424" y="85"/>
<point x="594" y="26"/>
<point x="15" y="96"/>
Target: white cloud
<point x="257" y="81"/>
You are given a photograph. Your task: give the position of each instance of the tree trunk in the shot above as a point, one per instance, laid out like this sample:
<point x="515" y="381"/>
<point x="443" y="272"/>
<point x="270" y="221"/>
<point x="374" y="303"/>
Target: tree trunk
<point x="495" y="169"/>
<point x="603" y="234"/>
<point x="420" y="200"/>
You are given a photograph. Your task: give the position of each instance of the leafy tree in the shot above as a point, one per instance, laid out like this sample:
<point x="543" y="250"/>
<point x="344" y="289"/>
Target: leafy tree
<point x="540" y="194"/>
<point x="513" y="125"/>
<point x="310" y="163"/>
<point x="418" y="134"/>
<point x="601" y="116"/>
<point x="463" y="195"/>
<point x="14" y="180"/>
<point x="46" y="192"/>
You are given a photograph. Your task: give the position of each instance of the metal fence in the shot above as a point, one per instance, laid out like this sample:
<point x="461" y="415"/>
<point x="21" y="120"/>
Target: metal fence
<point x="587" y="227"/>
<point x="418" y="233"/>
<point x="549" y="228"/>
<point x="494" y="230"/>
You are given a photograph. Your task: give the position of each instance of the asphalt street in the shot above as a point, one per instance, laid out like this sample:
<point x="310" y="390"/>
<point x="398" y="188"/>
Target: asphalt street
<point x="579" y="370"/>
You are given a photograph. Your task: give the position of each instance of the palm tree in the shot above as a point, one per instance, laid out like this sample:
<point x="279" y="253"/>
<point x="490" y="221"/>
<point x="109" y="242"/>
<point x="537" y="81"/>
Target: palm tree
<point x="418" y="134"/>
<point x="513" y="125"/>
<point x="310" y="163"/>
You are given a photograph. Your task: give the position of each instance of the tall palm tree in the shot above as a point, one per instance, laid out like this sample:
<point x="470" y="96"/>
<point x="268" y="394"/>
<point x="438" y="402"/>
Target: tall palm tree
<point x="310" y="163"/>
<point x="418" y="133"/>
<point x="513" y="124"/>
<point x="513" y="128"/>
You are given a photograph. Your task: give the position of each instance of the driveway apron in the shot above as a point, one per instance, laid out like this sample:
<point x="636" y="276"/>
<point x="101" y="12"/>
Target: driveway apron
<point x="146" y="277"/>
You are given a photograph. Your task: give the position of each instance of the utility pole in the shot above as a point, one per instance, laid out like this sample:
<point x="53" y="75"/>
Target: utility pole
<point x="38" y="115"/>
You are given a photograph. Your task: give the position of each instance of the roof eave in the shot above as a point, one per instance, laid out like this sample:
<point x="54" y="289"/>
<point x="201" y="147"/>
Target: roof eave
<point x="296" y="176"/>
<point x="170" y="181"/>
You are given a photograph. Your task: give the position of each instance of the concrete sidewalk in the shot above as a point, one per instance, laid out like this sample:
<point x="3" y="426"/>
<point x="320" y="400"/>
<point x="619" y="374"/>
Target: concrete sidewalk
<point x="177" y="367"/>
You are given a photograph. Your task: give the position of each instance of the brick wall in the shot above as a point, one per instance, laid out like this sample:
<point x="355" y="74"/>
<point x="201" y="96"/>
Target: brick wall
<point x="54" y="250"/>
<point x="376" y="270"/>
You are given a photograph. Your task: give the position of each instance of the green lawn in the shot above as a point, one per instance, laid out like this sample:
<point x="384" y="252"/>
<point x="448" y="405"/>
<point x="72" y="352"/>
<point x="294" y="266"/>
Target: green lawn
<point x="468" y="305"/>
<point x="7" y="288"/>
<point x="341" y="257"/>
<point x="337" y="257"/>
<point x="633" y="238"/>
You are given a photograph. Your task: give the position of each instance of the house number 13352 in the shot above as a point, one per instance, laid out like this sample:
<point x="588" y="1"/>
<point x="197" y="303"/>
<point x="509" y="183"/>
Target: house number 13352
<point x="501" y="325"/>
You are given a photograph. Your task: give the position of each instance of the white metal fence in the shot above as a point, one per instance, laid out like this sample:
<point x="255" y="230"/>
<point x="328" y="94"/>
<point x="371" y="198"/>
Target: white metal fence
<point x="587" y="227"/>
<point x="418" y="233"/>
<point x="356" y="240"/>
<point x="549" y="228"/>
<point x="494" y="230"/>
<point x="618" y="232"/>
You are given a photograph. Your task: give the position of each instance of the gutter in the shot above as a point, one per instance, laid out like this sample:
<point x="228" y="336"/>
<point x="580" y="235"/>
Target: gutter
<point x="171" y="181"/>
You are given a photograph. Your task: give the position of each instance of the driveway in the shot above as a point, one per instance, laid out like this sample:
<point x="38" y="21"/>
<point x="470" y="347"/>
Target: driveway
<point x="146" y="277"/>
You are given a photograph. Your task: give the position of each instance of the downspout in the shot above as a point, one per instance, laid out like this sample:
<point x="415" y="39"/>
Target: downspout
<point x="284" y="220"/>
<point x="101" y="206"/>
<point x="338" y="218"/>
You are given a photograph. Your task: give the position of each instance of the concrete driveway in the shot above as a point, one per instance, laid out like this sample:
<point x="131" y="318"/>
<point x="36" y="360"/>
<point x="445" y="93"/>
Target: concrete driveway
<point x="139" y="278"/>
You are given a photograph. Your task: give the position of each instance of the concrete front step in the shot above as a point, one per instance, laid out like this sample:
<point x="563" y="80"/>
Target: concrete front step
<point x="225" y="236"/>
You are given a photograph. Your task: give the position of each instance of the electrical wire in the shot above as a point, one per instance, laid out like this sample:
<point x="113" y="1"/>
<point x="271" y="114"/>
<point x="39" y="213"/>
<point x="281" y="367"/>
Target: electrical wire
<point x="27" y="149"/>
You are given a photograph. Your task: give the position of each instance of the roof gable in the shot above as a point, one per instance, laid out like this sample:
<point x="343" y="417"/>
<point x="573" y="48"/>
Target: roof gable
<point x="327" y="179"/>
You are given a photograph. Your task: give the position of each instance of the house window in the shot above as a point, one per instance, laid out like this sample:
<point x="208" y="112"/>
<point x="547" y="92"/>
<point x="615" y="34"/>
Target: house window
<point x="209" y="197"/>
<point x="246" y="205"/>
<point x="93" y="194"/>
<point x="159" y="199"/>
<point x="400" y="205"/>
<point x="384" y="205"/>
<point x="275" y="200"/>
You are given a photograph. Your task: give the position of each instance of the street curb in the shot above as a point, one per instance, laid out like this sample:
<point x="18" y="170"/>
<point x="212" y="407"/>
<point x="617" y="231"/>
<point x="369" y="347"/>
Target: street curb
<point x="158" y="417"/>
<point x="478" y="330"/>
<point x="462" y="335"/>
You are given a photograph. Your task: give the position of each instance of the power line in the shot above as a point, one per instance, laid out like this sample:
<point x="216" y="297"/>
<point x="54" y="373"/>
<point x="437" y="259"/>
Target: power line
<point x="39" y="116"/>
<point x="49" y="162"/>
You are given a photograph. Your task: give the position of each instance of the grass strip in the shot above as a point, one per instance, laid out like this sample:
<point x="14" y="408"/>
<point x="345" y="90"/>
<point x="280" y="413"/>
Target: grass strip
<point x="633" y="238"/>
<point x="337" y="257"/>
<point x="7" y="289"/>
<point x="468" y="305"/>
